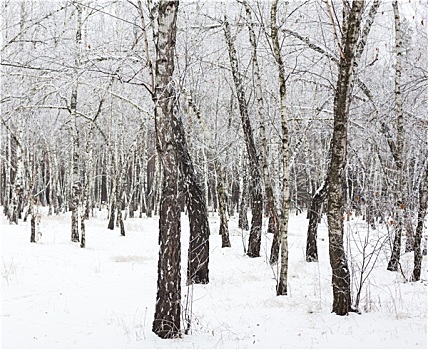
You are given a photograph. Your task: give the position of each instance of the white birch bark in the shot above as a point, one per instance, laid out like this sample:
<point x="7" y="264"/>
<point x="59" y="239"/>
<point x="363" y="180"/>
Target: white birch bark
<point x="399" y="204"/>
<point x="18" y="186"/>
<point x="281" y="288"/>
<point x="256" y="178"/>
<point x="270" y="199"/>
<point x="76" y="185"/>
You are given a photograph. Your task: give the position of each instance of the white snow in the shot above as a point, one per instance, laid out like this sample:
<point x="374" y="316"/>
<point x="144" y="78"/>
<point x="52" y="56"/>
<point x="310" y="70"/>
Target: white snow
<point x="57" y="295"/>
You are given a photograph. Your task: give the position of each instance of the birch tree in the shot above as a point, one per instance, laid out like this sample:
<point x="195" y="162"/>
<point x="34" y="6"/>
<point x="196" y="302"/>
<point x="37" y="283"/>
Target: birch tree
<point x="423" y="203"/>
<point x="198" y="255"/>
<point x="270" y="199"/>
<point x="166" y="322"/>
<point x="224" y="226"/>
<point x="399" y="145"/>
<point x="321" y="193"/>
<point x="338" y="259"/>
<point x="256" y="194"/>
<point x="281" y="288"/>
<point x="76" y="187"/>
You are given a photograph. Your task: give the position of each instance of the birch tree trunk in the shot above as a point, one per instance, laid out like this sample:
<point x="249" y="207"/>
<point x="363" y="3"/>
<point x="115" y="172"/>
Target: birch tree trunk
<point x="7" y="179"/>
<point x="18" y="186"/>
<point x="198" y="255"/>
<point x="423" y="201"/>
<point x="85" y="198"/>
<point x="112" y="199"/>
<point x="32" y="200"/>
<point x="224" y="226"/>
<point x="399" y="205"/>
<point x="166" y="322"/>
<point x="120" y="186"/>
<point x="281" y="288"/>
<point x="314" y="214"/>
<point x="256" y="193"/>
<point x="336" y="173"/>
<point x="143" y="177"/>
<point x="243" y="207"/>
<point x="314" y="217"/>
<point x="271" y="206"/>
<point x="75" y="136"/>
<point x="89" y="172"/>
<point x="51" y="181"/>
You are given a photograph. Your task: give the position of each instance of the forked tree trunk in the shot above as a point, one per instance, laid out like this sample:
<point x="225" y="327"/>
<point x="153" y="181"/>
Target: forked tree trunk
<point x="338" y="260"/>
<point x="166" y="322"/>
<point x="256" y="193"/>
<point x="423" y="201"/>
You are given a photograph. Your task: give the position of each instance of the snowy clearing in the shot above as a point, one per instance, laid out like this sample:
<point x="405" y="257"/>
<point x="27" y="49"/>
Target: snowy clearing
<point x="57" y="295"/>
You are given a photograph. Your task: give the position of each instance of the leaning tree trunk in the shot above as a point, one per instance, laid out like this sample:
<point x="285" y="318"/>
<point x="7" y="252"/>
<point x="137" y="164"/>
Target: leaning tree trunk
<point x="338" y="260"/>
<point x="257" y="198"/>
<point x="166" y="322"/>
<point x="271" y="206"/>
<point x="423" y="201"/>
<point x="198" y="255"/>
<point x="395" y="256"/>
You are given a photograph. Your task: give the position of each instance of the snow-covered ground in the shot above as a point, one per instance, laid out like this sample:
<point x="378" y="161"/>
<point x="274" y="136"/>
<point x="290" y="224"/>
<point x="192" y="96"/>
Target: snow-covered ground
<point x="57" y="295"/>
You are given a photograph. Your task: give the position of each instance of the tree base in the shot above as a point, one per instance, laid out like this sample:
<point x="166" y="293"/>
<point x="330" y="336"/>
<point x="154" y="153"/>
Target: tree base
<point x="311" y="258"/>
<point x="392" y="265"/>
<point x="165" y="331"/>
<point x="253" y="255"/>
<point x="350" y="309"/>
<point x="281" y="289"/>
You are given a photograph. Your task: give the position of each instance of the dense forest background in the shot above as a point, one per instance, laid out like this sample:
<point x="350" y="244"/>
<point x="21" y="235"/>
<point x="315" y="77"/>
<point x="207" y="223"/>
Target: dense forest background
<point x="255" y="86"/>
